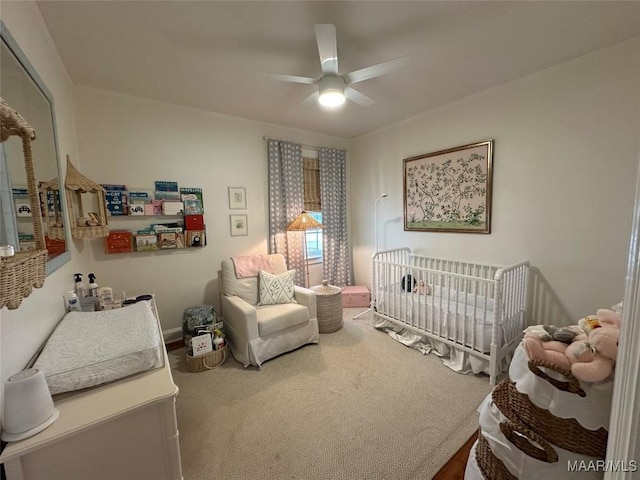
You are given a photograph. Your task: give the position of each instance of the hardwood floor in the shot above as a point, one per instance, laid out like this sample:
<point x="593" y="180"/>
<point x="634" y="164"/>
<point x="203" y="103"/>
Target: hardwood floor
<point x="453" y="469"/>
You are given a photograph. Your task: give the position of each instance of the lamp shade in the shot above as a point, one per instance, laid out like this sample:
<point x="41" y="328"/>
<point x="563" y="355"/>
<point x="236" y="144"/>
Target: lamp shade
<point x="28" y="406"/>
<point x="302" y="222"/>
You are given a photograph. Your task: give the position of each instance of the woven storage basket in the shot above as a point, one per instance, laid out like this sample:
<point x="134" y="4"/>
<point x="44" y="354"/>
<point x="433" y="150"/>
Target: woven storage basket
<point x="23" y="271"/>
<point x="329" y="303"/>
<point x="491" y="466"/>
<point x="207" y="361"/>
<point x="19" y="274"/>
<point x="565" y="433"/>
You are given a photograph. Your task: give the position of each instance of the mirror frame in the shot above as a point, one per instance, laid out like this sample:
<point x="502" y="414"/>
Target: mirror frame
<point x="59" y="260"/>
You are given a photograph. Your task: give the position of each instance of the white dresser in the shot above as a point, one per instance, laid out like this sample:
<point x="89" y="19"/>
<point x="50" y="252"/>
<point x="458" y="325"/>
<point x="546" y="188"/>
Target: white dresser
<point x="125" y="430"/>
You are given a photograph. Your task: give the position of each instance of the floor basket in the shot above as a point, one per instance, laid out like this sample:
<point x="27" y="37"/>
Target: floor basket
<point x="207" y="361"/>
<point x="492" y="467"/>
<point x="565" y="433"/>
<point x="329" y="305"/>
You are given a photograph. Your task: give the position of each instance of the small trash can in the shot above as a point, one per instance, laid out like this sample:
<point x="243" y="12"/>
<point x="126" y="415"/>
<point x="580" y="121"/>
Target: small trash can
<point x="329" y="303"/>
<point x="193" y="317"/>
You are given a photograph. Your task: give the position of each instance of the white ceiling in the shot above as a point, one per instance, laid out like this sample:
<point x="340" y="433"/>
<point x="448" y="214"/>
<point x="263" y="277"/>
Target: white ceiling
<point x="212" y="55"/>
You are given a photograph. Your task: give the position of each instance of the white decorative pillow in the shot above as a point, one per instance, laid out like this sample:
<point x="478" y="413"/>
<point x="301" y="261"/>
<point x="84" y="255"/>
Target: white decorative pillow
<point x="276" y="289"/>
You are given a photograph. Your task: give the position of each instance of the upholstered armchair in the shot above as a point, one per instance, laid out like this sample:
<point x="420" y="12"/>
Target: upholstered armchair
<point x="257" y="331"/>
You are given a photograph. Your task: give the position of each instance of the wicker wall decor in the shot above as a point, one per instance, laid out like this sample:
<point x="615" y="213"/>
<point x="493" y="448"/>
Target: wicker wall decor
<point x="89" y="224"/>
<point x="54" y="223"/>
<point x="24" y="270"/>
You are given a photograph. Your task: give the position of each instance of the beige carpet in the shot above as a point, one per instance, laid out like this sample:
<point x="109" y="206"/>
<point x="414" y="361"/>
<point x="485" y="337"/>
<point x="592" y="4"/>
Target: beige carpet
<point x="358" y="405"/>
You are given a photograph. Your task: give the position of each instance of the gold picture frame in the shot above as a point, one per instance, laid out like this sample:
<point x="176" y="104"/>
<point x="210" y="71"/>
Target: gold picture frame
<point x="449" y="190"/>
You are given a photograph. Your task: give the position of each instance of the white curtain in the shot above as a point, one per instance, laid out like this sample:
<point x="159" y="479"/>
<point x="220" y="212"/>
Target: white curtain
<point x="336" y="266"/>
<point x="286" y="201"/>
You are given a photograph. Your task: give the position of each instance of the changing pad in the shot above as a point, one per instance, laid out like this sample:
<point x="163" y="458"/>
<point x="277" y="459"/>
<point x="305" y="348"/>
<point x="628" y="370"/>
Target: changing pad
<point x="90" y="348"/>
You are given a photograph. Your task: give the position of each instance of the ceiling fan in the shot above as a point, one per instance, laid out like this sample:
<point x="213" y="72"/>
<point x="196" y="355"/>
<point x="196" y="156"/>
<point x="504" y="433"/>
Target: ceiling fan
<point x="333" y="88"/>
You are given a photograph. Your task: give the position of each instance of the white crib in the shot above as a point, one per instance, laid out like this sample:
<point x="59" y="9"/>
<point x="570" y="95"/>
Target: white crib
<point x="476" y="308"/>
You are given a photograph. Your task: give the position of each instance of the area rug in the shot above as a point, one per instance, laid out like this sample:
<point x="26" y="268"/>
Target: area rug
<point x="357" y="405"/>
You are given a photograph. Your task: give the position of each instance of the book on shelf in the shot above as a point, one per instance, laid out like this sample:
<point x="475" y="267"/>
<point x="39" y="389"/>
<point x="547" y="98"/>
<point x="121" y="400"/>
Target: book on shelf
<point x="157" y="207"/>
<point x="23" y="207"/>
<point x="146" y="242"/>
<point x="117" y="199"/>
<point x="192" y="207"/>
<point x="136" y="208"/>
<point x="166" y="195"/>
<point x="166" y="186"/>
<point x="167" y="240"/>
<point x="140" y="196"/>
<point x="172" y="208"/>
<point x="26" y="241"/>
<point x="149" y="209"/>
<point x="195" y="238"/>
<point x="166" y="228"/>
<point x="192" y="193"/>
<point x="118" y="241"/>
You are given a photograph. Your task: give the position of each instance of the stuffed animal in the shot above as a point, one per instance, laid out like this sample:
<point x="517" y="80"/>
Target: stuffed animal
<point x="421" y="288"/>
<point x="593" y="360"/>
<point x="549" y="343"/>
<point x="603" y="317"/>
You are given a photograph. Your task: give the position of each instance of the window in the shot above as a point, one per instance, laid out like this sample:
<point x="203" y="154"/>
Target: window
<point x="314" y="239"/>
<point x="311" y="172"/>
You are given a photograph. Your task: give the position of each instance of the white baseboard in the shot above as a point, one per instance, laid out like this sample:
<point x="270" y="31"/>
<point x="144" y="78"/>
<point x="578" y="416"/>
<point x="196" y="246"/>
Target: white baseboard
<point x="172" y="335"/>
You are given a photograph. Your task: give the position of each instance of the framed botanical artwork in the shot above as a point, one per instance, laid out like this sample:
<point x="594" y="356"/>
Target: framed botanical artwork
<point x="239" y="226"/>
<point x="449" y="190"/>
<point x="237" y="198"/>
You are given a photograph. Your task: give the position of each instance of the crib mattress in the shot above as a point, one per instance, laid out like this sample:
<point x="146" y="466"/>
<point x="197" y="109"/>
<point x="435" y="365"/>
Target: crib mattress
<point x="91" y="348"/>
<point x="441" y="314"/>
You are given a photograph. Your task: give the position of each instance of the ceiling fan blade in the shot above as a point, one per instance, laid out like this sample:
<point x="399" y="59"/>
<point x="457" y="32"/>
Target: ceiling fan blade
<point x="355" y="96"/>
<point x="327" y="48"/>
<point x="292" y="78"/>
<point x="375" y="70"/>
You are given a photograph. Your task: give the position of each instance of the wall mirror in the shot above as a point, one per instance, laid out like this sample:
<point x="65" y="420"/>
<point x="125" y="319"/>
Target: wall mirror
<point x="23" y="89"/>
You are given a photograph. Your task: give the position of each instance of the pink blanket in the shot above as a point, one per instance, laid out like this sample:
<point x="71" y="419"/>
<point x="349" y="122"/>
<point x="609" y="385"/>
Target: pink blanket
<point x="250" y="265"/>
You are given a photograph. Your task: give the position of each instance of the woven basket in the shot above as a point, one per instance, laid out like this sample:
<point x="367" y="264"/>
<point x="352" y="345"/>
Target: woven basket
<point x="20" y="273"/>
<point x="571" y="385"/>
<point x="565" y="433"/>
<point x="207" y="361"/>
<point x="491" y="466"/>
<point x="329" y="305"/>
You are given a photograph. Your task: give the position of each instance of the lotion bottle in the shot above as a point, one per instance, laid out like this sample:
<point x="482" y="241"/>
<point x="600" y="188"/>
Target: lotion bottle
<point x="73" y="303"/>
<point x="80" y="291"/>
<point x="93" y="286"/>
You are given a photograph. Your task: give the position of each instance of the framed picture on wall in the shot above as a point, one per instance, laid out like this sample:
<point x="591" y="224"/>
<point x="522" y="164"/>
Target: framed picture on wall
<point x="239" y="226"/>
<point x="237" y="198"/>
<point x="449" y="190"/>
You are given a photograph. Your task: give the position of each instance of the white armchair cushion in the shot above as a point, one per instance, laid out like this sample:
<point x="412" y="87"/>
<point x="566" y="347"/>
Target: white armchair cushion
<point x="276" y="289"/>
<point x="275" y="318"/>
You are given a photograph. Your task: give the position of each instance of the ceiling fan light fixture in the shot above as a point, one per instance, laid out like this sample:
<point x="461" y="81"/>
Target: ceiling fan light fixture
<point x="331" y="89"/>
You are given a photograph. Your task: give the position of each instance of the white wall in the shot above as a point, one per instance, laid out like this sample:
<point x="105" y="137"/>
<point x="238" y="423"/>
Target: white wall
<point x="132" y="141"/>
<point x="24" y="329"/>
<point x="565" y="162"/>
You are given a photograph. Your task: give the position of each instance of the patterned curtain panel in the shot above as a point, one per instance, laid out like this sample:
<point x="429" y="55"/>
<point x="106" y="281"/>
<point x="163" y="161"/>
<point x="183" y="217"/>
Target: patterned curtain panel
<point x="333" y="191"/>
<point x="286" y="200"/>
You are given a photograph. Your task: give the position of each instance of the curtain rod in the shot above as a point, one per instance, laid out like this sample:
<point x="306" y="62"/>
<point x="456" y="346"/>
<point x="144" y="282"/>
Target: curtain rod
<point x="308" y="147"/>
